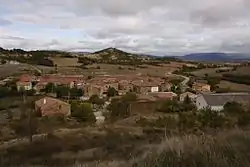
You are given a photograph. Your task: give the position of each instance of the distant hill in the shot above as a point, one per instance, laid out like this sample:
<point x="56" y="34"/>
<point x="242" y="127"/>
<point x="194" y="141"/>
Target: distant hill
<point x="216" y="57"/>
<point x="116" y="54"/>
<point x="108" y="55"/>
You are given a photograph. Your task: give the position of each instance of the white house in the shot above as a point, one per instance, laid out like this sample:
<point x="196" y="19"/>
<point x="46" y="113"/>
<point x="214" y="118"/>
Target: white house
<point x="155" y="89"/>
<point x="216" y="101"/>
<point x="23" y="85"/>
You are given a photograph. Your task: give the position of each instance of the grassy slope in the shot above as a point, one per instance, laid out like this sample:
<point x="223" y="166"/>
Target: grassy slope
<point x="225" y="149"/>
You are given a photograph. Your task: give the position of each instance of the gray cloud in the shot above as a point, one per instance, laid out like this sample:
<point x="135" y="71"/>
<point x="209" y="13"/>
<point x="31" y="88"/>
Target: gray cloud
<point x="4" y="22"/>
<point x="159" y="26"/>
<point x="12" y="38"/>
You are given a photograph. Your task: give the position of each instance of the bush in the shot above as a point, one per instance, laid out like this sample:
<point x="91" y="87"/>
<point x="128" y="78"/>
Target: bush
<point x="95" y="99"/>
<point x="83" y="112"/>
<point x="22" y="127"/>
<point x="211" y="119"/>
<point x="112" y="92"/>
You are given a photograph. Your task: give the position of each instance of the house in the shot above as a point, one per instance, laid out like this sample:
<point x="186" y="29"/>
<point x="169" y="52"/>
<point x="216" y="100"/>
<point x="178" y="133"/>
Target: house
<point x="25" y="82"/>
<point x="124" y="87"/>
<point x="23" y="85"/>
<point x="192" y="96"/>
<point x="99" y="86"/>
<point x="148" y="103"/>
<point x="145" y="104"/>
<point x="50" y="107"/>
<point x="144" y="87"/>
<point x="201" y="87"/>
<point x="216" y="101"/>
<point x="91" y="89"/>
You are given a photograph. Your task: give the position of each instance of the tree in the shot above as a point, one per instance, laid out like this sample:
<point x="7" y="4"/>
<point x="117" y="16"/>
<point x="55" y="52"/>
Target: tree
<point x="83" y="112"/>
<point x="4" y="91"/>
<point x="95" y="99"/>
<point x="119" y="108"/>
<point x="30" y="92"/>
<point x="49" y="88"/>
<point x="129" y="97"/>
<point x="62" y="91"/>
<point x="169" y="106"/>
<point x="211" y="118"/>
<point x="233" y="108"/>
<point x="213" y="82"/>
<point x="187" y="100"/>
<point x="187" y="120"/>
<point x="112" y="92"/>
<point x="75" y="92"/>
<point x="176" y="89"/>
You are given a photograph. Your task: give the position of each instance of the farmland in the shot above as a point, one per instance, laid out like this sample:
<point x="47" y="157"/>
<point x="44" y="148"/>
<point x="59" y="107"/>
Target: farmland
<point x="209" y="71"/>
<point x="14" y="69"/>
<point x="65" y="62"/>
<point x="212" y="72"/>
<point x="234" y="86"/>
<point x="112" y="69"/>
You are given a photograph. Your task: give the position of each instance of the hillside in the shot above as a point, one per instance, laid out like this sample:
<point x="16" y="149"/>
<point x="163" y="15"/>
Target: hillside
<point x="106" y="56"/>
<point x="116" y="54"/>
<point x="216" y="57"/>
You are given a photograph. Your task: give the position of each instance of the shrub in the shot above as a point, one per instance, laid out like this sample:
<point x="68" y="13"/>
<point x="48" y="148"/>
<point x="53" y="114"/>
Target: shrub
<point x="83" y="112"/>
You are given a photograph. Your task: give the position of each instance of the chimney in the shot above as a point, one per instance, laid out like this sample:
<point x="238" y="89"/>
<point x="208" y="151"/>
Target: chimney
<point x="44" y="101"/>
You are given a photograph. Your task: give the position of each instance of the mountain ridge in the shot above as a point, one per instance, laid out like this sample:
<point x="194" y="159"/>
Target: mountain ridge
<point x="216" y="56"/>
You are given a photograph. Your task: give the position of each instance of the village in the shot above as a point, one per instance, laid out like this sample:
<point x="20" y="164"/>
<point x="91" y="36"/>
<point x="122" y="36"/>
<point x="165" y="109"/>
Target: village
<point x="150" y="93"/>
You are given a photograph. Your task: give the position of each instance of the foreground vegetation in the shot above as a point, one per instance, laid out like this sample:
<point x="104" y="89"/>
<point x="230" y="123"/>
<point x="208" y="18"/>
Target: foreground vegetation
<point x="225" y="149"/>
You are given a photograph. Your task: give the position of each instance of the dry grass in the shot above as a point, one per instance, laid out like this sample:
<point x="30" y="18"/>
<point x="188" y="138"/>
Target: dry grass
<point x="210" y="71"/>
<point x="224" y="149"/>
<point x="242" y="70"/>
<point x="11" y="69"/>
<point x="65" y="62"/>
<point x="70" y="67"/>
<point x="234" y="86"/>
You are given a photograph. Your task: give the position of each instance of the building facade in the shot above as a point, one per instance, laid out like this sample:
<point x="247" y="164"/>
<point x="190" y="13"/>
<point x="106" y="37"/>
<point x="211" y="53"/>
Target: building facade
<point x="48" y="106"/>
<point x="216" y="101"/>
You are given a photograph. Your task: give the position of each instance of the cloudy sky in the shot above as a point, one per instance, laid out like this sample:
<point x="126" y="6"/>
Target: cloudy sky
<point x="158" y="27"/>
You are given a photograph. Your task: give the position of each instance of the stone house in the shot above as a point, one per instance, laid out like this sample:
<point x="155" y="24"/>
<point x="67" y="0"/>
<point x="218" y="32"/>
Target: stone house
<point x="51" y="107"/>
<point x="144" y="87"/>
<point x="124" y="87"/>
<point x="146" y="104"/>
<point x="91" y="89"/>
<point x="201" y="87"/>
